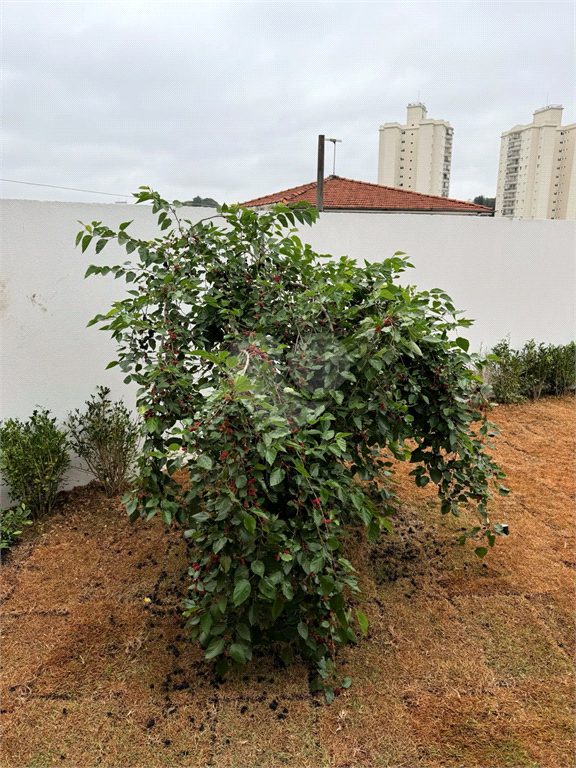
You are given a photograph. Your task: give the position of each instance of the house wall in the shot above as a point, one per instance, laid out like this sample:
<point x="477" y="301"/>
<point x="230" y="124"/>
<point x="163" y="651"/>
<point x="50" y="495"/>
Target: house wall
<point x="514" y="277"/>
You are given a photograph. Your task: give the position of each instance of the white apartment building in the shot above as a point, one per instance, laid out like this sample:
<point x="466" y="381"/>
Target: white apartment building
<point x="416" y="156"/>
<point x="536" y="174"/>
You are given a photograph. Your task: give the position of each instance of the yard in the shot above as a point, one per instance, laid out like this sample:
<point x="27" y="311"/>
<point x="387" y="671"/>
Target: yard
<point x="466" y="663"/>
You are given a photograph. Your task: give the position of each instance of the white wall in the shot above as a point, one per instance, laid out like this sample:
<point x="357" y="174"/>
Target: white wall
<point x="514" y="277"/>
<point x="47" y="355"/>
<point x="511" y="276"/>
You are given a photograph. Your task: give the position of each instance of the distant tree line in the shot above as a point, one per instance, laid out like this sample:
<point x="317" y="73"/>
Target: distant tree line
<point x="201" y="202"/>
<point x="489" y="202"/>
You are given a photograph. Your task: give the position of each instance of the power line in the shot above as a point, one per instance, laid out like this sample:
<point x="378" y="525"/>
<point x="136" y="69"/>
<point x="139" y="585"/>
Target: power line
<point x="70" y="189"/>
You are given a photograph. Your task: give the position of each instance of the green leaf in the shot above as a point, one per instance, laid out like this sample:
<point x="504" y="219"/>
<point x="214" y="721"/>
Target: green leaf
<point x="362" y="621"/>
<point x="242" y="384"/>
<point x="206" y="622"/>
<point x="215" y="648"/>
<point x="435" y="475"/>
<point x="225" y="562"/>
<point x="92" y="270"/>
<point x="249" y="523"/>
<point x="317" y="564"/>
<point x="326" y="585"/>
<point x="277" y="476"/>
<point x="480" y="551"/>
<point x="373" y="530"/>
<point x="271" y="455"/>
<point x="277" y="608"/>
<point x="204" y="461"/>
<point x="299" y="467"/>
<point x="243" y="631"/>
<point x="241" y="592"/>
<point x="303" y="630"/>
<point x="237" y="653"/>
<point x="267" y="588"/>
<point x="218" y="544"/>
<point x="462" y="343"/>
<point x="258" y="567"/>
<point x="287" y="590"/>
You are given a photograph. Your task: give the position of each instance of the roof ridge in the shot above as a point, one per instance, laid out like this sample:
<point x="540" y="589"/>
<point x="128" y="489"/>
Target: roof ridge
<point x="410" y="191"/>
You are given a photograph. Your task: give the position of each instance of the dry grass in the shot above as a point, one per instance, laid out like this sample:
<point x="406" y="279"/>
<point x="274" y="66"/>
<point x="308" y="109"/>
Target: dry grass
<point x="467" y="663"/>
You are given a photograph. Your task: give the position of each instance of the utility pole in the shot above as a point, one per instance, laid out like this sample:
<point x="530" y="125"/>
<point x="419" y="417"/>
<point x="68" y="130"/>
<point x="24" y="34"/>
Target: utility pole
<point x="320" y="176"/>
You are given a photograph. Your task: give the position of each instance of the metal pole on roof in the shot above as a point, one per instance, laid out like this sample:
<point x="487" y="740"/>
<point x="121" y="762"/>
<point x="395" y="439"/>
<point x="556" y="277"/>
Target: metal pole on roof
<point x="320" y="175"/>
<point x="334" y="141"/>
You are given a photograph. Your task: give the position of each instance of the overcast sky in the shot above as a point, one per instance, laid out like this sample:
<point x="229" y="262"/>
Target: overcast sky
<point x="226" y="99"/>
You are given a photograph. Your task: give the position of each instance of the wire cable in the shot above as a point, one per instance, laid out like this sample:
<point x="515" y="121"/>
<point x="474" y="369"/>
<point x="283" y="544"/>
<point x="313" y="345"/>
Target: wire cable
<point x="70" y="189"/>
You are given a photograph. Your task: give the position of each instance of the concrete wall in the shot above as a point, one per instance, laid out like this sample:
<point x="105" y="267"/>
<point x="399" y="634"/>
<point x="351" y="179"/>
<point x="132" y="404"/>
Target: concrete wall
<point x="511" y="276"/>
<point x="514" y="277"/>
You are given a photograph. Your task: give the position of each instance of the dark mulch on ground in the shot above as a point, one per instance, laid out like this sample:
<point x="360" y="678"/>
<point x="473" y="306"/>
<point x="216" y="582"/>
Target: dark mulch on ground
<point x="467" y="662"/>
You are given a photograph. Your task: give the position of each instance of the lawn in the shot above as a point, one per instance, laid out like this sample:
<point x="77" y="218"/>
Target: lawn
<point x="466" y="663"/>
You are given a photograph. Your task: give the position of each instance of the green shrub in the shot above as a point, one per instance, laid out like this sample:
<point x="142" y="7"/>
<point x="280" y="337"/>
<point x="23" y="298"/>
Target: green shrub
<point x="107" y="438"/>
<point x="562" y="371"/>
<point x="504" y="373"/>
<point x="535" y="369"/>
<point x="529" y="373"/>
<point x="33" y="460"/>
<point x="12" y="521"/>
<point x="287" y="383"/>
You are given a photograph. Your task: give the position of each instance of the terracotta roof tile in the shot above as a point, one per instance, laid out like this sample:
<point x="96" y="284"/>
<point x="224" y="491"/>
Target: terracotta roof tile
<point x="348" y="194"/>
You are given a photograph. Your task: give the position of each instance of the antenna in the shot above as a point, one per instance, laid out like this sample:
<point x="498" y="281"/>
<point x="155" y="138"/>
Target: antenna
<point x="334" y="141"/>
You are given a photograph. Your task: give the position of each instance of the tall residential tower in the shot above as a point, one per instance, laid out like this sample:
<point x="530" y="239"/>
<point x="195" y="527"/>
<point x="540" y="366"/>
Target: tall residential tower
<point x="416" y="156"/>
<point x="536" y="174"/>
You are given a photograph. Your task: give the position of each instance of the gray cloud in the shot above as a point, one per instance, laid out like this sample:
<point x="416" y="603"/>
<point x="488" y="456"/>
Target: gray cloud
<point x="226" y="99"/>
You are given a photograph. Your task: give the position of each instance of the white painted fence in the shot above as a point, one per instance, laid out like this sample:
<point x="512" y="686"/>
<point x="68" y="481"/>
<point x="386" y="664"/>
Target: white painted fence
<point x="513" y="277"/>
